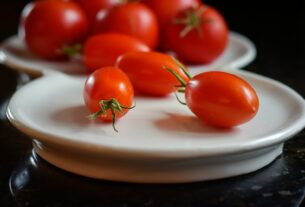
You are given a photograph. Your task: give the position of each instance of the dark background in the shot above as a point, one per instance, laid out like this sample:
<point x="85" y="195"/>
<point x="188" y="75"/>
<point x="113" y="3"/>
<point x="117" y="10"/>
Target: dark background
<point x="278" y="31"/>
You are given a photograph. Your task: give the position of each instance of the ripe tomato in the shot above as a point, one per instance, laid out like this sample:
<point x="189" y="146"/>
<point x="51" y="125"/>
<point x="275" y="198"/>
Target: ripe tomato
<point x="103" y="49"/>
<point x="133" y="19"/>
<point x="197" y="35"/>
<point x="108" y="94"/>
<point x="49" y="26"/>
<point x="92" y="7"/>
<point x="166" y="10"/>
<point x="221" y="99"/>
<point x="147" y="74"/>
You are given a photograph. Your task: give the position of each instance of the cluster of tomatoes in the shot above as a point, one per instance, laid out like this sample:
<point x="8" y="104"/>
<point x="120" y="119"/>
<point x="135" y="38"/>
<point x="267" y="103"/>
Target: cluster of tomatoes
<point x="118" y="39"/>
<point x="194" y="32"/>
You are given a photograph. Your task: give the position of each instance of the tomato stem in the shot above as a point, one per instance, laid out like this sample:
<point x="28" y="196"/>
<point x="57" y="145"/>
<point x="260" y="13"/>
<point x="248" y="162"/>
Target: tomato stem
<point x="183" y="84"/>
<point x="178" y="99"/>
<point x="180" y="88"/>
<point x="112" y="105"/>
<point x="181" y="66"/>
<point x="192" y="20"/>
<point x="113" y="119"/>
<point x="72" y="50"/>
<point x="123" y="1"/>
<point x="128" y="1"/>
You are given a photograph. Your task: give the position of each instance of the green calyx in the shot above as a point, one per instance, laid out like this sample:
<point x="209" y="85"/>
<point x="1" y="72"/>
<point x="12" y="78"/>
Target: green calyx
<point x="113" y="105"/>
<point x="192" y="20"/>
<point x="121" y="2"/>
<point x="72" y="50"/>
<point x="182" y="86"/>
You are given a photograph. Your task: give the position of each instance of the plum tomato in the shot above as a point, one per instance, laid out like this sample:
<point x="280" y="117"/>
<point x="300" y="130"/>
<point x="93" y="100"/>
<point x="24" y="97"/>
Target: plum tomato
<point x="220" y="99"/>
<point x="147" y="74"/>
<point x="197" y="35"/>
<point x="108" y="94"/>
<point x="48" y="26"/>
<point x="103" y="49"/>
<point x="134" y="19"/>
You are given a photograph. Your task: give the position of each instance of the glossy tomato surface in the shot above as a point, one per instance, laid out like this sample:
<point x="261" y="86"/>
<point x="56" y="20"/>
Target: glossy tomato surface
<point x="204" y="41"/>
<point x="48" y="26"/>
<point x="167" y="9"/>
<point x="105" y="84"/>
<point x="134" y="19"/>
<point x="103" y="49"/>
<point x="147" y="72"/>
<point x="92" y="7"/>
<point x="221" y="99"/>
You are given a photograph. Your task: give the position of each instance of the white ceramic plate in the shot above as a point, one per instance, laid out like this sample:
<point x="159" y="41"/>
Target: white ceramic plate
<point x="13" y="53"/>
<point x="158" y="142"/>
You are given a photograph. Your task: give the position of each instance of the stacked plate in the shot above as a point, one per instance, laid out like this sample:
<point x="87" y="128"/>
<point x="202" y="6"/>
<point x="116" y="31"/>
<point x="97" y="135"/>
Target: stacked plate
<point x="160" y="141"/>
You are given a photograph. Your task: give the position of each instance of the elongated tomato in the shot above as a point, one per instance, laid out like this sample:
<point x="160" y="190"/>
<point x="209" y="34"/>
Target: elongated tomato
<point x="102" y="50"/>
<point x="147" y="74"/>
<point x="220" y="99"/>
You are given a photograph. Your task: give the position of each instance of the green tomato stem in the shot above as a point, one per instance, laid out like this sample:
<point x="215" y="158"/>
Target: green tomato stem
<point x="180" y="88"/>
<point x="178" y="99"/>
<point x="112" y="105"/>
<point x="192" y="20"/>
<point x="181" y="66"/>
<point x="183" y="84"/>
<point x="113" y="119"/>
<point x="72" y="50"/>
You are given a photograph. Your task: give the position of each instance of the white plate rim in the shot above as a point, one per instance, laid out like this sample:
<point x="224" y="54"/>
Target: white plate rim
<point x="247" y="58"/>
<point x="241" y="62"/>
<point x="274" y="139"/>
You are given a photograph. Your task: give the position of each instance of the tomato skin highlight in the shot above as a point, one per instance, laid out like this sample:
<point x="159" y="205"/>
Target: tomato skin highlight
<point x="147" y="73"/>
<point x="200" y="45"/>
<point x="105" y="84"/>
<point x="92" y="7"/>
<point x="221" y="99"/>
<point x="102" y="50"/>
<point x="134" y="19"/>
<point x="48" y="26"/>
<point x="167" y="9"/>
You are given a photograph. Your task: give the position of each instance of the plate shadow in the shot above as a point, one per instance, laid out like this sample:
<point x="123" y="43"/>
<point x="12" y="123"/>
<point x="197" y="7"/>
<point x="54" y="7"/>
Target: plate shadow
<point x="74" y="115"/>
<point x="188" y="124"/>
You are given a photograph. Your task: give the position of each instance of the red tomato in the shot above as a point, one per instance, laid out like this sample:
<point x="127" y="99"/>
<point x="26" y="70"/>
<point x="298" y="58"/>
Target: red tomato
<point x="133" y="19"/>
<point x="167" y="9"/>
<point x="147" y="74"/>
<point x="92" y="7"/>
<point x="221" y="99"/>
<point x="103" y="49"/>
<point x="108" y="94"/>
<point x="197" y="35"/>
<point x="49" y="26"/>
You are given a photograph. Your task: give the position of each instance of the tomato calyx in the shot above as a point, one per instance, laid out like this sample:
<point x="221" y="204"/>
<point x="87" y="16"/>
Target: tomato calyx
<point x="192" y="20"/>
<point x="121" y="2"/>
<point x="180" y="88"/>
<point x="72" y="51"/>
<point x="112" y="105"/>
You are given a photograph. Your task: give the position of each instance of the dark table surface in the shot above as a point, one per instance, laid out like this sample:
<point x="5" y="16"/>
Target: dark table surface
<point x="277" y="29"/>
